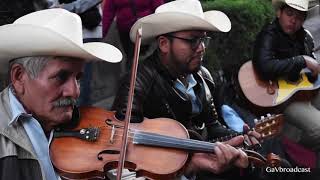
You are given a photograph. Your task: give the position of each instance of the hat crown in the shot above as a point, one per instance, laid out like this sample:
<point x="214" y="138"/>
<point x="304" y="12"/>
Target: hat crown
<point x="192" y="7"/>
<point x="301" y="5"/>
<point x="51" y="32"/>
<point x="298" y="4"/>
<point x="57" y="20"/>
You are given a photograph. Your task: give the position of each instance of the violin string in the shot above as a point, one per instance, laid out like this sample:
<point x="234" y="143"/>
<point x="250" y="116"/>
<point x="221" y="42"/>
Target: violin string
<point x="108" y="128"/>
<point x="155" y="138"/>
<point x="131" y="134"/>
<point x="133" y="131"/>
<point x="149" y="135"/>
<point x="118" y="137"/>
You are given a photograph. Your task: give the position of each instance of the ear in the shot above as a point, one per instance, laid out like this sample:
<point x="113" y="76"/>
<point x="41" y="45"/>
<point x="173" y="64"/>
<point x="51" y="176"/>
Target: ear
<point x="164" y="44"/>
<point x="18" y="76"/>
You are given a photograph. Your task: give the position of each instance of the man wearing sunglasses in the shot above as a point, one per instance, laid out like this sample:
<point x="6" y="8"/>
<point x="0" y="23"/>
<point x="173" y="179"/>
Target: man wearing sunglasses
<point x="172" y="82"/>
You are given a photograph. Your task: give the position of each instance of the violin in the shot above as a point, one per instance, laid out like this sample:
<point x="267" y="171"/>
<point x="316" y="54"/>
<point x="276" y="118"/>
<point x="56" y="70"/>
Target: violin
<point x="156" y="148"/>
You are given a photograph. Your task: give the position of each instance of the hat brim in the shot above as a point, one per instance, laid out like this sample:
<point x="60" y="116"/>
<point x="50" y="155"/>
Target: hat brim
<point x="163" y="23"/>
<point x="21" y="40"/>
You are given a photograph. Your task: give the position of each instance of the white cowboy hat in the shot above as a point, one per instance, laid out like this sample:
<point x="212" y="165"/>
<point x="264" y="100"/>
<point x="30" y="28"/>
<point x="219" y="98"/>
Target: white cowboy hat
<point x="177" y="16"/>
<point x="52" y="32"/>
<point x="301" y="5"/>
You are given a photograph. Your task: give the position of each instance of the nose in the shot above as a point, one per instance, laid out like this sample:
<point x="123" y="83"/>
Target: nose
<point x="293" y="20"/>
<point x="201" y="47"/>
<point x="72" y="88"/>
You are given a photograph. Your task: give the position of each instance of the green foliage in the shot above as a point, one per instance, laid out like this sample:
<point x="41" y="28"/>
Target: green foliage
<point x="229" y="50"/>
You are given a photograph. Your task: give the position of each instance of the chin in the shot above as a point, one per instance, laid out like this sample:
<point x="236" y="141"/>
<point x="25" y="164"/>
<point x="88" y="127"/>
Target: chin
<point x="67" y="115"/>
<point x="64" y="113"/>
<point x="290" y="31"/>
<point x="195" y="69"/>
<point x="65" y="118"/>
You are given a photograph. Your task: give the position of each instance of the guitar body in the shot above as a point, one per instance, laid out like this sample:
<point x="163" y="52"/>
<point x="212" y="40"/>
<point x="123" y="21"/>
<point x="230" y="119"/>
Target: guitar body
<point x="272" y="93"/>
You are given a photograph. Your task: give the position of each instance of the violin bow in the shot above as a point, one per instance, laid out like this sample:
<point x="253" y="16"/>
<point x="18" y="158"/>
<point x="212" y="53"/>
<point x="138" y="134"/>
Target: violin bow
<point x="129" y="106"/>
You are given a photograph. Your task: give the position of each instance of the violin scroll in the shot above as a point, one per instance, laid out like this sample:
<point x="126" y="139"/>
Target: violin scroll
<point x="257" y="160"/>
<point x="273" y="160"/>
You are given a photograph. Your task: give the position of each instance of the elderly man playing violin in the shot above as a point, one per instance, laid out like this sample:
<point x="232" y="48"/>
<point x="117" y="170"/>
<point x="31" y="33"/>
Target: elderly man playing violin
<point x="45" y="55"/>
<point x="172" y="83"/>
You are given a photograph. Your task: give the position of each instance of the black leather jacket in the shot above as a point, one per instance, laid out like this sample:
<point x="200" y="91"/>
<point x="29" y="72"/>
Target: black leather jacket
<point x="277" y="55"/>
<point x="155" y="96"/>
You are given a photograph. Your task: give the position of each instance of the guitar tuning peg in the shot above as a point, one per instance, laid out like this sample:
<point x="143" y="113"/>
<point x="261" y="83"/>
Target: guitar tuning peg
<point x="262" y="118"/>
<point x="255" y="121"/>
<point x="268" y="115"/>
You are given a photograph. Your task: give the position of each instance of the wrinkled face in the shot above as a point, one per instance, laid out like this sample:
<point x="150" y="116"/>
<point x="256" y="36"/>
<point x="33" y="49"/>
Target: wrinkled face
<point x="290" y="19"/>
<point x="187" y="49"/>
<point x="45" y="95"/>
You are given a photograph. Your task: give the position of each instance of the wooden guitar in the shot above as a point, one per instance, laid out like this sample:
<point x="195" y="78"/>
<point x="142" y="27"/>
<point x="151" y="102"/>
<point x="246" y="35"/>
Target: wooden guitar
<point x="272" y="93"/>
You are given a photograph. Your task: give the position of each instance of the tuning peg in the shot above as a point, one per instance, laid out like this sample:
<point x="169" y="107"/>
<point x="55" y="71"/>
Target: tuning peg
<point x="255" y="121"/>
<point x="262" y="118"/>
<point x="269" y="115"/>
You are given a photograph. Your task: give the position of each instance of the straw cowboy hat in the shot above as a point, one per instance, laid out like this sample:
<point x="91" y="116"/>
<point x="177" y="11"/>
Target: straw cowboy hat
<point x="52" y="32"/>
<point x="301" y="5"/>
<point x="177" y="16"/>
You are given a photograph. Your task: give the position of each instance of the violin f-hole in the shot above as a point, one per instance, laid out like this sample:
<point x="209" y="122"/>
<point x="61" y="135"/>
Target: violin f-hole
<point x="99" y="156"/>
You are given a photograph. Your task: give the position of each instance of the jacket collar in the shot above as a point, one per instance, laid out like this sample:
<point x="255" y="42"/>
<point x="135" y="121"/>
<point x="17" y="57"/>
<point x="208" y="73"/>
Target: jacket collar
<point x="14" y="131"/>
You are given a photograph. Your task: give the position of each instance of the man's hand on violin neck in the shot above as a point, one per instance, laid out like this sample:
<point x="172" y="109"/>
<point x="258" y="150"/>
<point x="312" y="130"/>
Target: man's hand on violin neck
<point x="235" y="142"/>
<point x="224" y="157"/>
<point x="251" y="138"/>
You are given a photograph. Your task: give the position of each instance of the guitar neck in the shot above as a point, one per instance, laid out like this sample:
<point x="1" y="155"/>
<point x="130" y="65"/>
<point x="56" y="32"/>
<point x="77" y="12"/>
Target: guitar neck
<point x="226" y="138"/>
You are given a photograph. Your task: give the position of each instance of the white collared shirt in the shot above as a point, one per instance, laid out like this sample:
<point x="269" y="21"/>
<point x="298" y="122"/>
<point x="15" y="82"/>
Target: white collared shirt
<point x="196" y="105"/>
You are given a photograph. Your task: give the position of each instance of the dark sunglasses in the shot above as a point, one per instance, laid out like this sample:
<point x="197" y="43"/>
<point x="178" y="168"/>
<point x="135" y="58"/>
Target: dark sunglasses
<point x="195" y="42"/>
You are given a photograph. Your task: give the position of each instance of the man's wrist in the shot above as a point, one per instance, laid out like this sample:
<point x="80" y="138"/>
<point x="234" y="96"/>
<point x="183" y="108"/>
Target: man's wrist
<point x="190" y="169"/>
<point x="183" y="177"/>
